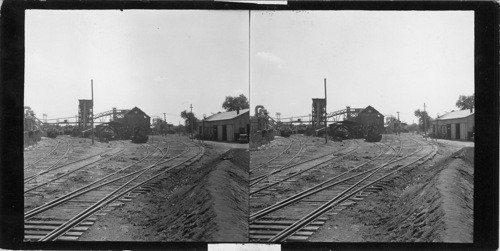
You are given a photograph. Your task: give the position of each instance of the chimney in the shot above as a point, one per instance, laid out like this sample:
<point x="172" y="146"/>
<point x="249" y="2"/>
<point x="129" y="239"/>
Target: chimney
<point x="471" y="109"/>
<point x="237" y="111"/>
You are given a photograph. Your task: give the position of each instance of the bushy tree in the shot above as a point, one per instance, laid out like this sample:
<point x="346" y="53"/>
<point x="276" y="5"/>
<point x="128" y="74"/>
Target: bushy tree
<point x="412" y="127"/>
<point x="235" y="103"/>
<point x="465" y="102"/>
<point x="423" y="116"/>
<point x="188" y="118"/>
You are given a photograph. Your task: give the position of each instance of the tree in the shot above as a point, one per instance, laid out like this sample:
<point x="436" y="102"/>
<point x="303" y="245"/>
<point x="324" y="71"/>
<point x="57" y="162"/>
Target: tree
<point x="465" y="102"/>
<point x="421" y="115"/>
<point x="413" y="127"/>
<point x="188" y="118"/>
<point x="235" y="103"/>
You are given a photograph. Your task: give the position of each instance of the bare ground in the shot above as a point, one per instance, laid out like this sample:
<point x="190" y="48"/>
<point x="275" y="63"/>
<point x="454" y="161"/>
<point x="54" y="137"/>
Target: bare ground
<point x="432" y="203"/>
<point x="207" y="201"/>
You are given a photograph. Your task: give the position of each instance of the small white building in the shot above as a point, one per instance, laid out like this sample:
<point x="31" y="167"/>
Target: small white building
<point x="225" y="126"/>
<point x="455" y="125"/>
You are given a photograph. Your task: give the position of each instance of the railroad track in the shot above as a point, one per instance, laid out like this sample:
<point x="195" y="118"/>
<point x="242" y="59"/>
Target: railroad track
<point x="298" y="216"/>
<point x="287" y="146"/>
<point x="50" y="152"/>
<point x="48" y="168"/>
<point x="68" y="216"/>
<point x="289" y="173"/>
<point x="281" y="162"/>
<point x="49" y="161"/>
<point x="49" y="177"/>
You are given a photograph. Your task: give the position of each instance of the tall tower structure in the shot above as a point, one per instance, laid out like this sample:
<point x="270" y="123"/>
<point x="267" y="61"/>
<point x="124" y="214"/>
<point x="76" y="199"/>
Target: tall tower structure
<point x="84" y="114"/>
<point x="318" y="112"/>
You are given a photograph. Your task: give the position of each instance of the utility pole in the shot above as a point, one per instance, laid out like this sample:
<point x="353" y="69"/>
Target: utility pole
<point x="326" y="126"/>
<point x="166" y="125"/>
<point x="92" y="120"/>
<point x="436" y="133"/>
<point x="192" y="119"/>
<point x="203" y="128"/>
<point x="399" y="124"/>
<point x="425" y="124"/>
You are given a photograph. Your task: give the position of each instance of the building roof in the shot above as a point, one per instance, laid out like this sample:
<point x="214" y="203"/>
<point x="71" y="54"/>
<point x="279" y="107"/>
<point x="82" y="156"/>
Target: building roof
<point x="456" y="114"/>
<point x="136" y="111"/>
<point x="226" y="115"/>
<point x="370" y="109"/>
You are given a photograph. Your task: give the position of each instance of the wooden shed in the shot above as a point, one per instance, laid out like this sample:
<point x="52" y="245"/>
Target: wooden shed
<point x="225" y="126"/>
<point x="455" y="125"/>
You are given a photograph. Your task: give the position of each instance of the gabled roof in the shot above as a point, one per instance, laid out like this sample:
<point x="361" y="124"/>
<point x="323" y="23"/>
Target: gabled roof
<point x="226" y="115"/>
<point x="457" y="115"/>
<point x="370" y="109"/>
<point x="136" y="110"/>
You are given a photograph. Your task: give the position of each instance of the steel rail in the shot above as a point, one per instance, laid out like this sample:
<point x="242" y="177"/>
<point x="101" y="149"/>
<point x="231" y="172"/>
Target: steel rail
<point x="338" y="199"/>
<point x="88" y="188"/>
<point x="310" y="191"/>
<point x="300" y="163"/>
<point x="27" y="179"/>
<point x="52" y="167"/>
<point x="61" y="230"/>
<point x="305" y="170"/>
<point x="267" y="162"/>
<point x="72" y="171"/>
<point x="260" y="178"/>
<point x="46" y="155"/>
<point x="315" y="189"/>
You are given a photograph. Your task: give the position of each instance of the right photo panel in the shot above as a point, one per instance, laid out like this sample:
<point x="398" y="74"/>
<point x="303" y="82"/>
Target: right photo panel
<point x="362" y="126"/>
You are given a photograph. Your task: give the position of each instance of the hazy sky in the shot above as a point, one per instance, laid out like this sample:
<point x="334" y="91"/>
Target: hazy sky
<point x="158" y="60"/>
<point x="392" y="60"/>
<point x="164" y="60"/>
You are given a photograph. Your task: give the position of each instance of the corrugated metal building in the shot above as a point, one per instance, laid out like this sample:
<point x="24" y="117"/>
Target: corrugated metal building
<point x="455" y="125"/>
<point x="225" y="126"/>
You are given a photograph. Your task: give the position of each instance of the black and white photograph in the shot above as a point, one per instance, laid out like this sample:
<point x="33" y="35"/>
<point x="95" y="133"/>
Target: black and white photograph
<point x="249" y="125"/>
<point x="363" y="126"/>
<point x="136" y="125"/>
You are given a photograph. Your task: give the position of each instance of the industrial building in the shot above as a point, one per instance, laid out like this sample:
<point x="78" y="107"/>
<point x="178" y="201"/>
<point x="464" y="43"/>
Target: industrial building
<point x="318" y="112"/>
<point x="225" y="126"/>
<point x="366" y="117"/>
<point x="124" y="127"/>
<point x="455" y="125"/>
<point x="85" y="107"/>
<point x="136" y="118"/>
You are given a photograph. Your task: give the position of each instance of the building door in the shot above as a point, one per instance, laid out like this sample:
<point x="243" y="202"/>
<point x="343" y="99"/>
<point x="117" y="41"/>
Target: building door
<point x="448" y="131"/>
<point x="224" y="133"/>
<point x="457" y="131"/>
<point x="214" y="130"/>
<point x="230" y="133"/>
<point x="220" y="134"/>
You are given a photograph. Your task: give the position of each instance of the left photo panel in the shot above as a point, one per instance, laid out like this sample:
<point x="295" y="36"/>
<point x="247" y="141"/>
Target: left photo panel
<point x="136" y="125"/>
